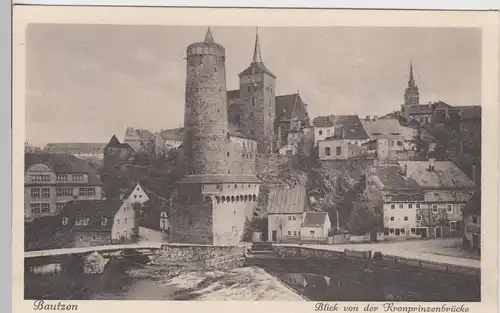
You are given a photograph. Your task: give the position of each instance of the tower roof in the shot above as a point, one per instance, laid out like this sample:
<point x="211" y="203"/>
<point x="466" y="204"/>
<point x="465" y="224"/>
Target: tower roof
<point x="257" y="57"/>
<point x="209" y="39"/>
<point x="257" y="66"/>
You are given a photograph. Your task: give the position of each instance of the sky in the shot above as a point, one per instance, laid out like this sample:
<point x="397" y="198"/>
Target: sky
<point x="87" y="82"/>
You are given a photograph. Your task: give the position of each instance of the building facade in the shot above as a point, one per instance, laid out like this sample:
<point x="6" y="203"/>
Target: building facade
<point x="52" y="180"/>
<point x="285" y="211"/>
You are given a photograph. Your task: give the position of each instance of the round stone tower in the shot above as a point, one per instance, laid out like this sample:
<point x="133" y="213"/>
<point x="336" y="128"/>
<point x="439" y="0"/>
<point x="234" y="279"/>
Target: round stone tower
<point x="206" y="137"/>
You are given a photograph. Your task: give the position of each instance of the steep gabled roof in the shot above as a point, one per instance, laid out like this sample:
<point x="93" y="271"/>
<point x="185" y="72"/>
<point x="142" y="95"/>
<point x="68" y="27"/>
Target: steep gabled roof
<point x="115" y="143"/>
<point x="314" y="219"/>
<point x="445" y="175"/>
<point x="391" y="176"/>
<point x="289" y="107"/>
<point x="286" y="200"/>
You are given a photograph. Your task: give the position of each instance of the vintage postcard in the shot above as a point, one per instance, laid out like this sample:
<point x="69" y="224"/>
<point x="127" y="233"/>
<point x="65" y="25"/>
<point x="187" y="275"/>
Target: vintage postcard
<point x="327" y="160"/>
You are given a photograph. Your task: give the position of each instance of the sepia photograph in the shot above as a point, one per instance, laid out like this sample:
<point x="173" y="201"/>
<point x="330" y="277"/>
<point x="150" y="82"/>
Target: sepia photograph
<point x="252" y="162"/>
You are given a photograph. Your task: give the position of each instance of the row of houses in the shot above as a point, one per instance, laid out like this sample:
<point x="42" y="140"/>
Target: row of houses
<point x="65" y="199"/>
<point x="418" y="199"/>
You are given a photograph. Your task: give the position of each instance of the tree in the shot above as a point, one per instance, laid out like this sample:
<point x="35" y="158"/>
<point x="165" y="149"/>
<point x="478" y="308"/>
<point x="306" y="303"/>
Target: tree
<point x="363" y="220"/>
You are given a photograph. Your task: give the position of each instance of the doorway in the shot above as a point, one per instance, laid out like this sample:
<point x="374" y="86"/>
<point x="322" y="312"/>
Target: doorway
<point x="275" y="236"/>
<point x="439" y="232"/>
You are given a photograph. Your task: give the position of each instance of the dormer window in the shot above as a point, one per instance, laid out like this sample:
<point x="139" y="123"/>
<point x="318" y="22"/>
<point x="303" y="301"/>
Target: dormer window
<point x="64" y="221"/>
<point x="104" y="221"/>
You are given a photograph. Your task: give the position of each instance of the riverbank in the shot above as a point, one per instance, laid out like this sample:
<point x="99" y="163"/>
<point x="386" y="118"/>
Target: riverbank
<point x="446" y="250"/>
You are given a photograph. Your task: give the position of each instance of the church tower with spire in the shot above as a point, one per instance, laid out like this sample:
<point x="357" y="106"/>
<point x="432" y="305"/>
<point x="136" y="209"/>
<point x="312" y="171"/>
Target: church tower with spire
<point x="412" y="96"/>
<point x="257" y="94"/>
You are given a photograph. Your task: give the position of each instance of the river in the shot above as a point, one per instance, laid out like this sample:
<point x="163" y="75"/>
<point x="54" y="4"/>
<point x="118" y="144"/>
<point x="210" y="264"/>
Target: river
<point x="250" y="283"/>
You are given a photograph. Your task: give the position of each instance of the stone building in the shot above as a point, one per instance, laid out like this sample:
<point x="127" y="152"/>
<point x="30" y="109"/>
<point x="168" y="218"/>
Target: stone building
<point x="256" y="110"/>
<point x="219" y="190"/>
<point x="116" y="153"/>
<point x="52" y="180"/>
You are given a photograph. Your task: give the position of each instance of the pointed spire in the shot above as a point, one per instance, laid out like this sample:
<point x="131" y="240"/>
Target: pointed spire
<point x="411" y="71"/>
<point x="257" y="58"/>
<point x="208" y="37"/>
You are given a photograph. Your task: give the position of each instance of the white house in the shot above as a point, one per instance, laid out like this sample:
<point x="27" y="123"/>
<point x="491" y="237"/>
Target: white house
<point x="315" y="226"/>
<point x="285" y="209"/>
<point x="125" y="220"/>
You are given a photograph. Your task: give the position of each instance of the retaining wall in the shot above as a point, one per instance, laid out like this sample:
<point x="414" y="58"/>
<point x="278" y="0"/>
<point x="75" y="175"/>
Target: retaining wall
<point x="194" y="253"/>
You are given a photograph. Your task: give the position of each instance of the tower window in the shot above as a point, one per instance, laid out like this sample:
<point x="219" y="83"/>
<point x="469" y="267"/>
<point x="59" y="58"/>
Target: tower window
<point x="253" y="101"/>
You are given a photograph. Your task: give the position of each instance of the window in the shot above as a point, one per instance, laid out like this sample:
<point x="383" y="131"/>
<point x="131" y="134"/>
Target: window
<point x="320" y="132"/>
<point x="35" y="208"/>
<point x="400" y="143"/>
<point x="215" y="69"/>
<point x="434" y="208"/>
<point x="401" y="205"/>
<point x="228" y="154"/>
<point x="62" y="178"/>
<point x="35" y="192"/>
<point x="59" y="207"/>
<point x="40" y="178"/>
<point x="406" y="218"/>
<point x="64" y="192"/>
<point x="294" y="218"/>
<point x="289" y="233"/>
<point x="410" y="205"/>
<point x="397" y="231"/>
<point x="413" y="230"/>
<point x="339" y="150"/>
<point x="125" y="221"/>
<point x="104" y="221"/>
<point x="449" y="208"/>
<point x="64" y="221"/>
<point x="88" y="192"/>
<point x="235" y="186"/>
<point x="289" y="218"/>
<point x="391" y="231"/>
<point x="295" y="233"/>
<point x="253" y="101"/>
<point x="94" y="237"/>
<point x="45" y="192"/>
<point x="462" y="206"/>
<point x="77" y="177"/>
<point x="419" y="217"/>
<point x="453" y="226"/>
<point x="403" y="231"/>
<point x="45" y="207"/>
<point x="311" y="232"/>
<point x="393" y="206"/>
<point x="82" y="221"/>
<point x="418" y="205"/>
<point x="392" y="218"/>
<point x="117" y="221"/>
<point x="81" y="237"/>
<point x="327" y="151"/>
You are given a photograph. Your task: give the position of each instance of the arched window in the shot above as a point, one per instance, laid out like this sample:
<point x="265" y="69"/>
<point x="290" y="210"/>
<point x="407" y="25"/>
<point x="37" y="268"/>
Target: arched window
<point x="223" y="199"/>
<point x="237" y="198"/>
<point x="254" y="198"/>
<point x="246" y="198"/>
<point x="232" y="199"/>
<point x="217" y="199"/>
<point x="327" y="151"/>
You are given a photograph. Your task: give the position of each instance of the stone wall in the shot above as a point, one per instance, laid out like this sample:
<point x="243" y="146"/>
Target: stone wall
<point x="206" y="136"/>
<point x="192" y="221"/>
<point x="242" y="155"/>
<point x="300" y="252"/>
<point x="194" y="253"/>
